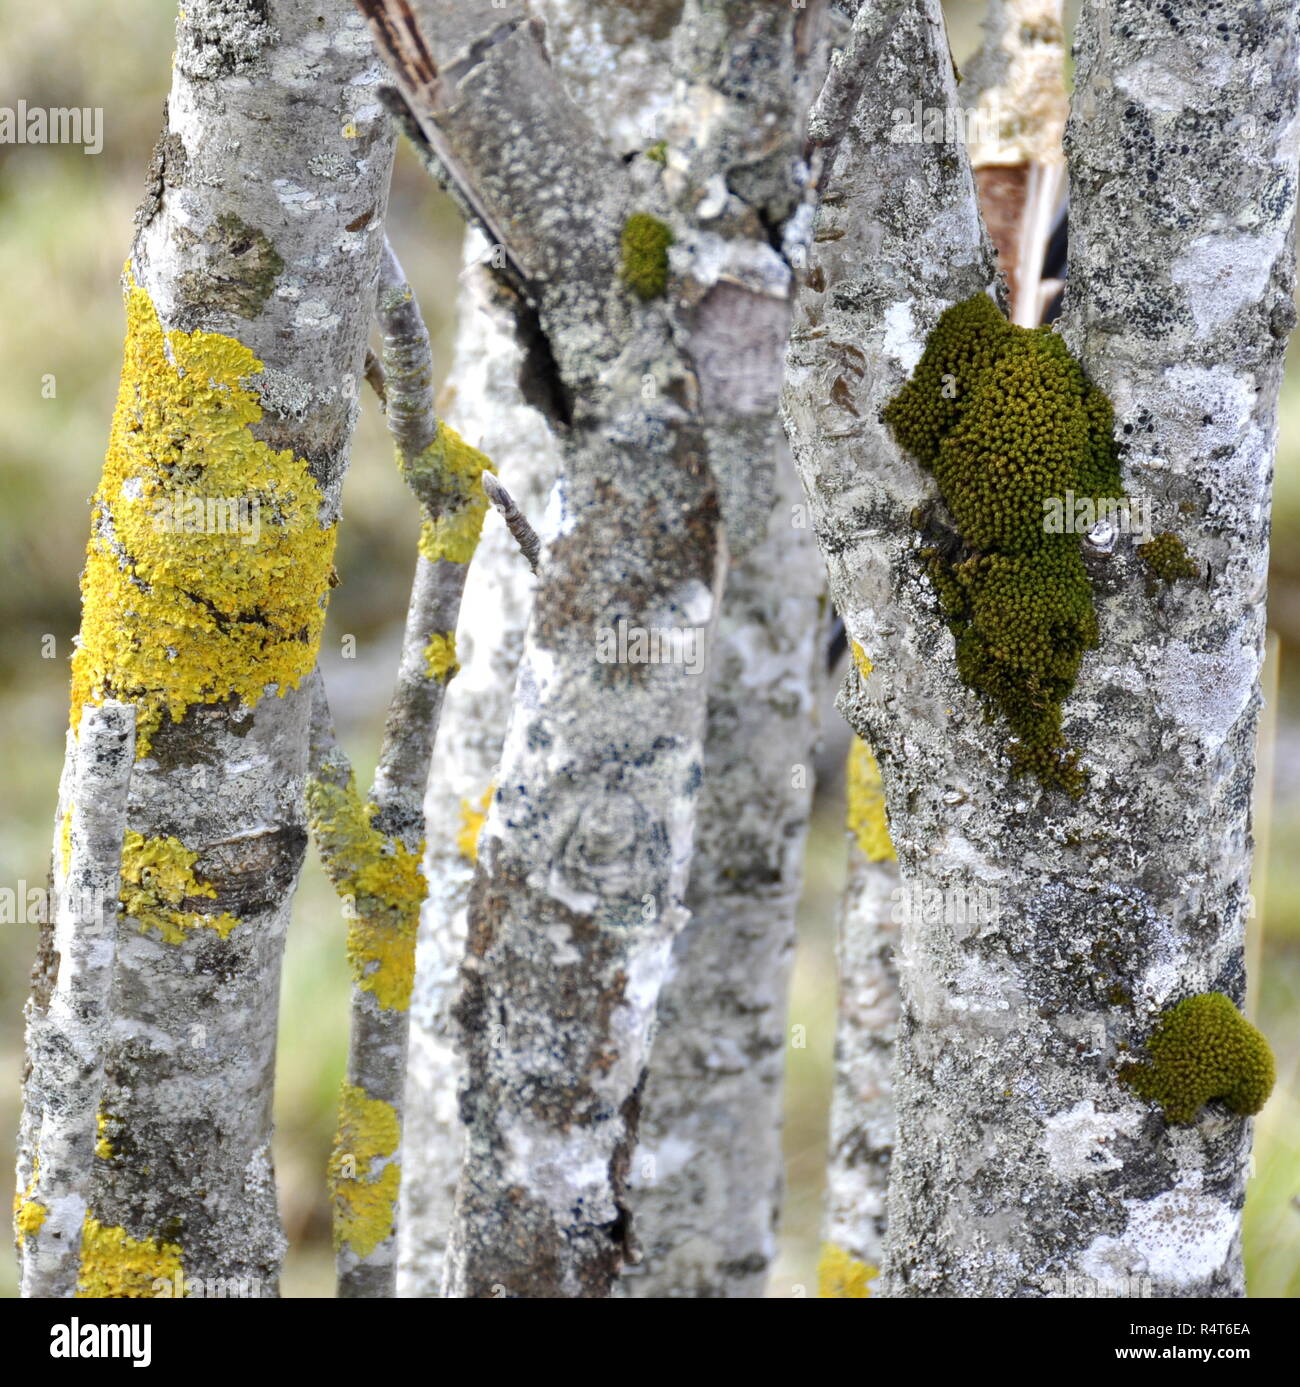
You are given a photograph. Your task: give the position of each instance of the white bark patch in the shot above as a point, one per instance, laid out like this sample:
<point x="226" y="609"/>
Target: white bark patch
<point x="1078" y="1141"/>
<point x="1179" y="1238"/>
<point x="1223" y="273"/>
<point x="902" y="339"/>
<point x="1207" y="690"/>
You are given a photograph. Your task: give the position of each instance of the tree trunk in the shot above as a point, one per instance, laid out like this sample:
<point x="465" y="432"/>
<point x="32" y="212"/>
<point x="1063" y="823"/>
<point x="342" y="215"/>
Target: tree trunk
<point x="249" y="294"/>
<point x="1023" y="1165"/>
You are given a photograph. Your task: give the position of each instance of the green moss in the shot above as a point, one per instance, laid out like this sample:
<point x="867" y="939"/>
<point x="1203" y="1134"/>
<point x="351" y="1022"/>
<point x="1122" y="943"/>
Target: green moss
<point x="1203" y="1048"/>
<point x="658" y="152"/>
<point x="645" y="255"/>
<point x="1006" y="420"/>
<point x="1166" y="556"/>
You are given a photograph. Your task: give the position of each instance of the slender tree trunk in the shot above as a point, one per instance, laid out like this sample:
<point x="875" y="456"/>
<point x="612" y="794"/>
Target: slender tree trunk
<point x="731" y="300"/>
<point x="866" y="1026"/>
<point x="483" y="400"/>
<point x="1023" y="1165"/>
<point x="705" y="1183"/>
<point x="249" y="293"/>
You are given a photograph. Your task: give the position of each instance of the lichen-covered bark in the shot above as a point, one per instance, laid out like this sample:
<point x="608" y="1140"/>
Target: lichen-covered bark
<point x="583" y="858"/>
<point x="732" y="305"/>
<point x="706" y="1180"/>
<point x="371" y="850"/>
<point x="250" y="286"/>
<point x="1022" y="1166"/>
<point x="482" y="398"/>
<point x="866" y="1024"/>
<point x="65" y="1043"/>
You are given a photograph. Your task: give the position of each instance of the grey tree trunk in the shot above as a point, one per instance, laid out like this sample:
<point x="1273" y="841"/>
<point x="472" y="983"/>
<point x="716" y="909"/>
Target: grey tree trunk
<point x="249" y="293"/>
<point x="737" y="287"/>
<point x="866" y="1026"/>
<point x="1023" y="1166"/>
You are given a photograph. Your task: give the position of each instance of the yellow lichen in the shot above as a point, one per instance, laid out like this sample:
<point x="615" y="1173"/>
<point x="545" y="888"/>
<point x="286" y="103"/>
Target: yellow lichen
<point x="861" y="659"/>
<point x="157" y="876"/>
<point x="116" y="1266"/>
<point x="471" y="824"/>
<point x="180" y="611"/>
<point x="29" y="1214"/>
<point x="65" y="839"/>
<point x="446" y="476"/>
<point x="103" y="1147"/>
<point x="440" y="655"/>
<point x="866" y="804"/>
<point x="385" y="882"/>
<point x="363" y="1180"/>
<point x="840" y="1277"/>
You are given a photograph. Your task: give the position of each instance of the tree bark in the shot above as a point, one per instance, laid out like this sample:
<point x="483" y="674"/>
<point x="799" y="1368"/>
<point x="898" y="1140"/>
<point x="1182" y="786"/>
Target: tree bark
<point x="866" y="1027"/>
<point x="1023" y="1167"/>
<point x="250" y="288"/>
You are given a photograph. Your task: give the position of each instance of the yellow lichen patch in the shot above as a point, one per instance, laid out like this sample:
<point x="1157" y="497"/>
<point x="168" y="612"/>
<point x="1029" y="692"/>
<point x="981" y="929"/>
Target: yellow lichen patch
<point x="65" y="839"/>
<point x="866" y="804"/>
<point x="157" y="876"/>
<point x="386" y="884"/>
<point x="103" y="1147"/>
<point x="440" y="655"/>
<point x="446" y="478"/>
<point x="861" y="659"/>
<point x="471" y="824"/>
<point x="364" y="1189"/>
<point x="116" y="1266"/>
<point x="29" y="1213"/>
<point x="840" y="1277"/>
<point x="207" y="567"/>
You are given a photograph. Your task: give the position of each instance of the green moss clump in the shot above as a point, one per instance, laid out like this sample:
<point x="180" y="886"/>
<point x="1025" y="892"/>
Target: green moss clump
<point x="1007" y="421"/>
<point x="1166" y="556"/>
<point x="658" y="152"/>
<point x="645" y="255"/>
<point x="1203" y="1048"/>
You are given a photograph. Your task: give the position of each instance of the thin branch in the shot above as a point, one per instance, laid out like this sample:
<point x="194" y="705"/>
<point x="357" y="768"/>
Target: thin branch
<point x="371" y="850"/>
<point x="516" y="521"/>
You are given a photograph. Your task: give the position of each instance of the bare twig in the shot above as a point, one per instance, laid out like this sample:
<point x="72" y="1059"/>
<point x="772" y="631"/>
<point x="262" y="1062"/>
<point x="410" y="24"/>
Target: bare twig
<point x="516" y="521"/>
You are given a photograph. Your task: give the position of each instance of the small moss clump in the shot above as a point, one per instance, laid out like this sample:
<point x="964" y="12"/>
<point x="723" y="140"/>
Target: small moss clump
<point x="1166" y="556"/>
<point x="1008" y="423"/>
<point x="1203" y="1048"/>
<point x="645" y="255"/>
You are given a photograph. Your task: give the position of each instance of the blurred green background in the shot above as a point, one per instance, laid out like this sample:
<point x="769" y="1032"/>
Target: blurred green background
<point x="65" y="228"/>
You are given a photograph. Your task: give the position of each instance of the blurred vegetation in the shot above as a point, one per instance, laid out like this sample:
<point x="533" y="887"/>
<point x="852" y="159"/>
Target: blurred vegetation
<point x="65" y="227"/>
